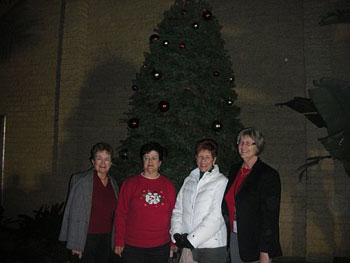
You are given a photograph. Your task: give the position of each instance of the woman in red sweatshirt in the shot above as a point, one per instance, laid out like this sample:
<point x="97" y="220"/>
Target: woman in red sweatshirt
<point x="144" y="210"/>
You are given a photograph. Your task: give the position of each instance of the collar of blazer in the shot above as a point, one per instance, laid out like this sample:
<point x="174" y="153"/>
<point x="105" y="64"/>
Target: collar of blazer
<point x="234" y="171"/>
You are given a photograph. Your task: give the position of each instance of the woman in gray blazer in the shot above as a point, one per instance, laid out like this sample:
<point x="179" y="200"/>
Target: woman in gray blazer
<point x="87" y="224"/>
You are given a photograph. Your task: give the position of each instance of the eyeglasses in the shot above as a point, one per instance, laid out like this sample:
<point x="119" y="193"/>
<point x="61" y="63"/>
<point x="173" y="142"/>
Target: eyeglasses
<point x="148" y="158"/>
<point x="246" y="143"/>
<point x="101" y="159"/>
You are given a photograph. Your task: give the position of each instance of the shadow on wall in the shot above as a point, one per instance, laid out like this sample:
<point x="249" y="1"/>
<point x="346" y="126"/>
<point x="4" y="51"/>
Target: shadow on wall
<point x="321" y="221"/>
<point x="26" y="191"/>
<point x="340" y="207"/>
<point x="328" y="215"/>
<point x="16" y="27"/>
<point x="103" y="100"/>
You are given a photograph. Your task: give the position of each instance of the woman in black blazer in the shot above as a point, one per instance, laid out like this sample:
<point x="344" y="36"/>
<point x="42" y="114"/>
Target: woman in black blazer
<point x="251" y="203"/>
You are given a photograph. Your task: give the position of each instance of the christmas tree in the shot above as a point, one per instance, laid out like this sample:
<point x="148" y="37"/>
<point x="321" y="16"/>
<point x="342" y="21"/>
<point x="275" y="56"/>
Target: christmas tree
<point x="183" y="93"/>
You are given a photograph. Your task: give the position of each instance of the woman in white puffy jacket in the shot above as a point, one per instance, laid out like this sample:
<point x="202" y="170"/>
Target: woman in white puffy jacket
<point x="197" y="222"/>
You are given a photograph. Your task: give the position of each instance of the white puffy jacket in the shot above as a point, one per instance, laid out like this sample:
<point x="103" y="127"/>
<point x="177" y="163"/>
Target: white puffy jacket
<point x="198" y="210"/>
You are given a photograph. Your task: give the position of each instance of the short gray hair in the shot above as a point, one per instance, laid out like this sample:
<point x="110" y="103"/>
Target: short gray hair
<point x="256" y="135"/>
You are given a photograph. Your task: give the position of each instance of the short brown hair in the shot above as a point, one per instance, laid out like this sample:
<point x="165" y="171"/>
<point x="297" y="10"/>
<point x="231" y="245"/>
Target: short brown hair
<point x="152" y="146"/>
<point x="101" y="146"/>
<point x="207" y="144"/>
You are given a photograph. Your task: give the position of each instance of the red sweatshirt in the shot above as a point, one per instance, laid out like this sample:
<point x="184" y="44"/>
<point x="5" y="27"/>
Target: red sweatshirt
<point x="143" y="212"/>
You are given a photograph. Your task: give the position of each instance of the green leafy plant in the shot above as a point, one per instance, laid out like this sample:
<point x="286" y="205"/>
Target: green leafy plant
<point x="328" y="107"/>
<point x="337" y="17"/>
<point x="35" y="237"/>
<point x="45" y="224"/>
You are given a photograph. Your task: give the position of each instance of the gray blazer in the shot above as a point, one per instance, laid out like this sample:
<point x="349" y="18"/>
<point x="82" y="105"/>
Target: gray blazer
<point x="77" y="211"/>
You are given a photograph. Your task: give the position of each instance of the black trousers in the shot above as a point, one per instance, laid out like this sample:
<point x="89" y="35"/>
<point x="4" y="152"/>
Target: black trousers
<point x="133" y="254"/>
<point x="98" y="248"/>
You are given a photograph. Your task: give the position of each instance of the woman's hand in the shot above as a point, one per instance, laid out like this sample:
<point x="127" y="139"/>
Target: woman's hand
<point x="76" y="252"/>
<point x="174" y="248"/>
<point x="264" y="257"/>
<point x="118" y="250"/>
<point x="178" y="240"/>
<point x="182" y="241"/>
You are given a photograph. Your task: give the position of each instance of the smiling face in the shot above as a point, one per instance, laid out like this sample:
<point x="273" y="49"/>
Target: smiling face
<point x="205" y="160"/>
<point x="247" y="148"/>
<point x="102" y="162"/>
<point x="151" y="163"/>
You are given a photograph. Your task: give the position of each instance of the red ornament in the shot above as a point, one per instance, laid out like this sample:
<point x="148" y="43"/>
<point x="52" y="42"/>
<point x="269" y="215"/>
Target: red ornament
<point x="163" y="106"/>
<point x="182" y="45"/>
<point x="133" y="123"/>
<point x="153" y="38"/>
<point x="206" y="15"/>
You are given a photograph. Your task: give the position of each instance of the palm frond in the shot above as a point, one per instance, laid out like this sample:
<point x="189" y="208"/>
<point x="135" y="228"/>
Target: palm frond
<point x="311" y="161"/>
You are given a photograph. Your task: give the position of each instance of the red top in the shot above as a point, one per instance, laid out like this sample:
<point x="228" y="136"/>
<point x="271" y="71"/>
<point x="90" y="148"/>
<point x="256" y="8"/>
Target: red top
<point x="143" y="212"/>
<point x="234" y="189"/>
<point x="103" y="205"/>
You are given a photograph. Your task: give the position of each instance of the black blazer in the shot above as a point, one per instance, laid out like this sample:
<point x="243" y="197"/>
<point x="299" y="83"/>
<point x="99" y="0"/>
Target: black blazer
<point x="257" y="211"/>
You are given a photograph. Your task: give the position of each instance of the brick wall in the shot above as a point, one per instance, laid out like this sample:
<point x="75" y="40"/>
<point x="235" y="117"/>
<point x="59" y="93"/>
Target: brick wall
<point x="265" y="40"/>
<point x="58" y="104"/>
<point x="328" y="195"/>
<point x="277" y="51"/>
<point x="27" y="99"/>
<point x="74" y="63"/>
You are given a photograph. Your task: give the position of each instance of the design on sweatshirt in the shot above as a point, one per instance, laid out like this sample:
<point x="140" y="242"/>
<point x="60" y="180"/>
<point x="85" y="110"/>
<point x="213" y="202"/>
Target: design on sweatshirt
<point x="153" y="198"/>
